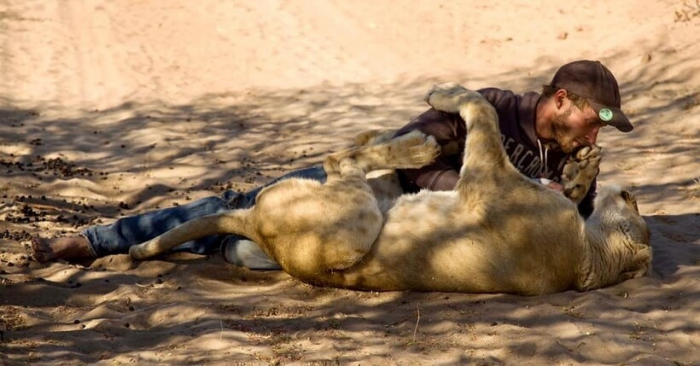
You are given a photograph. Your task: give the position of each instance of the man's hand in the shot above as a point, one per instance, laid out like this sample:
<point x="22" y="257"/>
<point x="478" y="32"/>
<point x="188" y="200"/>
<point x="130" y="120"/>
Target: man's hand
<point x="555" y="186"/>
<point x="549" y="184"/>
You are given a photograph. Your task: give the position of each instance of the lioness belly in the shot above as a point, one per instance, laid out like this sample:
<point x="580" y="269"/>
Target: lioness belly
<point x="429" y="243"/>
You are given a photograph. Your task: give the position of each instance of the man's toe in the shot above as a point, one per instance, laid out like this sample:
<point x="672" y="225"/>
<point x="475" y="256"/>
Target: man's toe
<point x="41" y="249"/>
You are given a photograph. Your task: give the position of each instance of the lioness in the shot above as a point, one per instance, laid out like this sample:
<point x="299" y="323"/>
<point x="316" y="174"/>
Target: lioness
<point x="496" y="232"/>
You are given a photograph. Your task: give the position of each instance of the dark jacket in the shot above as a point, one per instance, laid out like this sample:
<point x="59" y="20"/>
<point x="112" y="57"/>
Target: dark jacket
<point x="516" y="114"/>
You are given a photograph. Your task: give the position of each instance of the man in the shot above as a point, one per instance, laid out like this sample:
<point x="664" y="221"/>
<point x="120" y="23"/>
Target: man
<point x="539" y="132"/>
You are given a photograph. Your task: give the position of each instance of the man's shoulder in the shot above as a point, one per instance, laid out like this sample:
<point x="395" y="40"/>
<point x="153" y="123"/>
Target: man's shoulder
<point x="495" y="95"/>
<point x="499" y="97"/>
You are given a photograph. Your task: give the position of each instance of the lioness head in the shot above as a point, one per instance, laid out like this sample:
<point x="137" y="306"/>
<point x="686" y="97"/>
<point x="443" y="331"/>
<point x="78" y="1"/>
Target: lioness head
<point x="625" y="231"/>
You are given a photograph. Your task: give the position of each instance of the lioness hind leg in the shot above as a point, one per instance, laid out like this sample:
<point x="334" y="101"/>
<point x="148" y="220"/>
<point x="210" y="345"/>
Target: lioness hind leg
<point x="231" y="222"/>
<point x="579" y="172"/>
<point x="412" y="150"/>
<point x="352" y="198"/>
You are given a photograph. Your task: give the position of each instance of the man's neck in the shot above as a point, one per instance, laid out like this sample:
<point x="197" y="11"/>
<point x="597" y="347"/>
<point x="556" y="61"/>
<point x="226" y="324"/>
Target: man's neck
<point x="543" y="118"/>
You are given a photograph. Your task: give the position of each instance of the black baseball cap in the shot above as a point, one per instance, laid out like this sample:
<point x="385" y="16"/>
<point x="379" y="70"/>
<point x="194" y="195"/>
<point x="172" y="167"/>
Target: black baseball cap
<point x="593" y="81"/>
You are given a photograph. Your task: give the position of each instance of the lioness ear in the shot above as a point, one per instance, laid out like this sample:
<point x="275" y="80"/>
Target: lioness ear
<point x="626" y="195"/>
<point x="629" y="198"/>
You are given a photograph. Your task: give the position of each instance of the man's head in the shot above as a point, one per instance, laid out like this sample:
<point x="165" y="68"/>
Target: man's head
<point x="586" y="97"/>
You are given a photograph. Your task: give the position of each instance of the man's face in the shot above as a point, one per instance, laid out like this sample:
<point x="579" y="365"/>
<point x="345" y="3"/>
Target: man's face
<point x="574" y="127"/>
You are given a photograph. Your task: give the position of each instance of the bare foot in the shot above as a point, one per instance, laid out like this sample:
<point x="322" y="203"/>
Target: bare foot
<point x="67" y="248"/>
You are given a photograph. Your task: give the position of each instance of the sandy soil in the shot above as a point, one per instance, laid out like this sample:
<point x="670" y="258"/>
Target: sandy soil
<point x="111" y="108"/>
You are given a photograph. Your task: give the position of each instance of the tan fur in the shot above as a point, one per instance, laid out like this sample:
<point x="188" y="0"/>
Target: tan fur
<point x="385" y="183"/>
<point x="496" y="232"/>
<point x="374" y="137"/>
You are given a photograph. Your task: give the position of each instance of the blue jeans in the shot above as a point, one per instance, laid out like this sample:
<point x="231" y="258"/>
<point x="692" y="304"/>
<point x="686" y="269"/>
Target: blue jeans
<point x="119" y="236"/>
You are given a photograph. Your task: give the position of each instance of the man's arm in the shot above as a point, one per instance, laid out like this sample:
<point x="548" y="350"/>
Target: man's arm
<point x="450" y="132"/>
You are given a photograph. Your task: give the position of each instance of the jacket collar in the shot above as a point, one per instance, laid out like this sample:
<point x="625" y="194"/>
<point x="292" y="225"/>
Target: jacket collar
<point x="527" y="109"/>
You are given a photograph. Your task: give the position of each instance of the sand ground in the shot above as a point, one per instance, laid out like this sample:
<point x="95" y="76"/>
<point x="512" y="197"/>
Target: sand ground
<point x="111" y="108"/>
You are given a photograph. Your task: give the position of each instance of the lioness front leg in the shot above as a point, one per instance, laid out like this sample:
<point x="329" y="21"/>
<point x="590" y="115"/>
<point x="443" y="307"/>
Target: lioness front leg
<point x="484" y="155"/>
<point x="411" y="151"/>
<point x="579" y="172"/>
<point x="374" y="137"/>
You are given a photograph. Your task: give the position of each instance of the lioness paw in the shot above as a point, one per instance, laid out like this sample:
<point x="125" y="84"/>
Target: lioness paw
<point x="415" y="148"/>
<point x="374" y="137"/>
<point x="580" y="170"/>
<point x="450" y="97"/>
<point x="427" y="152"/>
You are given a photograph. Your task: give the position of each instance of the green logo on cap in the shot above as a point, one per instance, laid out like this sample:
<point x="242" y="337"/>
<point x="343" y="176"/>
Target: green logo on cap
<point x="605" y="114"/>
